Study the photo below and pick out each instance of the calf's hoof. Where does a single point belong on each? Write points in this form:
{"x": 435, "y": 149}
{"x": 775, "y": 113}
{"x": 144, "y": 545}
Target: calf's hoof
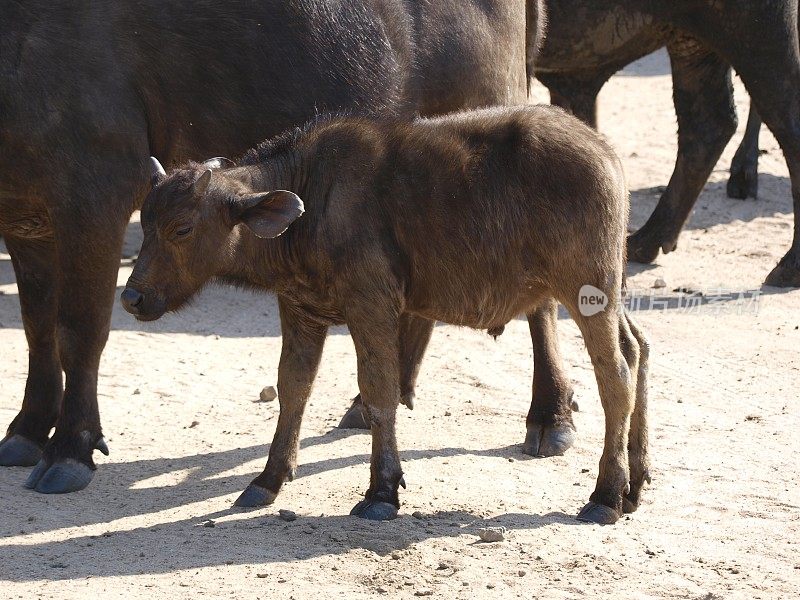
{"x": 598, "y": 513}
{"x": 18, "y": 451}
{"x": 549, "y": 440}
{"x": 255, "y": 495}
{"x": 743, "y": 184}
{"x": 375, "y": 510}
{"x": 785, "y": 274}
{"x": 354, "y": 418}
{"x": 59, "y": 477}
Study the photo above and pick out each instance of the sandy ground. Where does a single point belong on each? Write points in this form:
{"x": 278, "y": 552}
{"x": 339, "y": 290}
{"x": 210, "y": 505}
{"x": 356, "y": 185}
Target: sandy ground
{"x": 721, "y": 519}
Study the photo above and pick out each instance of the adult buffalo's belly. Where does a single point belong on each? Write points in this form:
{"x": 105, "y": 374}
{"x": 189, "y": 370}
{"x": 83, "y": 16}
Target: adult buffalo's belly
{"x": 596, "y": 37}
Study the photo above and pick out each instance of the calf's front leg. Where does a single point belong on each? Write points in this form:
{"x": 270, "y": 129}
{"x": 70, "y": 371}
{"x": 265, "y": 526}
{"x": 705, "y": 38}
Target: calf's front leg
{"x": 374, "y": 328}
{"x": 303, "y": 341}
{"x": 415, "y": 333}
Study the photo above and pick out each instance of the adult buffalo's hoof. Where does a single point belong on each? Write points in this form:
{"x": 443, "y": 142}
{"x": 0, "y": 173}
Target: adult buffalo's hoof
{"x": 354, "y": 418}
{"x": 255, "y": 495}
{"x": 598, "y": 513}
{"x": 743, "y": 183}
{"x": 375, "y": 510}
{"x": 549, "y": 440}
{"x": 18, "y": 451}
{"x": 61, "y": 477}
{"x": 642, "y": 247}
{"x": 785, "y": 274}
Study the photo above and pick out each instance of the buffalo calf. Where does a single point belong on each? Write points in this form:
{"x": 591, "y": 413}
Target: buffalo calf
{"x": 470, "y": 219}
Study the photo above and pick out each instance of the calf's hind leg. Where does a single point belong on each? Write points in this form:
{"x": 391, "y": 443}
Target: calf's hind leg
{"x": 300, "y": 356}
{"x": 415, "y": 333}
{"x": 550, "y": 430}
{"x": 614, "y": 352}
{"x": 638, "y": 446}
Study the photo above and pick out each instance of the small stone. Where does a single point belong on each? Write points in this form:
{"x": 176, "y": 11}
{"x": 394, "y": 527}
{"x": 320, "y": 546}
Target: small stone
{"x": 194, "y": 424}
{"x": 382, "y": 590}
{"x": 447, "y": 413}
{"x": 136, "y": 392}
{"x": 521, "y": 573}
{"x": 396, "y": 555}
{"x": 489, "y": 586}
{"x": 417, "y": 515}
{"x": 268, "y": 394}
{"x": 262, "y": 575}
{"x": 443, "y": 566}
{"x": 659, "y": 283}
{"x": 287, "y": 515}
{"x": 423, "y": 593}
{"x": 492, "y": 534}
{"x": 510, "y": 459}
{"x": 209, "y": 523}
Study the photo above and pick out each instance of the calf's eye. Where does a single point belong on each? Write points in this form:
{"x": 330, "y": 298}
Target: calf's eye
{"x": 183, "y": 231}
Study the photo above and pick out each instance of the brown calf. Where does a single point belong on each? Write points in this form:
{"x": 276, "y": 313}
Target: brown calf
{"x": 469, "y": 219}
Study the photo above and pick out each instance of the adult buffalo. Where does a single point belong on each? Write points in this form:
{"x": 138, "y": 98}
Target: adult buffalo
{"x": 90, "y": 90}
{"x": 587, "y": 42}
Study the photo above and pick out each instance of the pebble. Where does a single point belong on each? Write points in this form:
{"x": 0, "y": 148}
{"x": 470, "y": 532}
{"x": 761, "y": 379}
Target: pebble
{"x": 659, "y": 283}
{"x": 521, "y": 573}
{"x": 287, "y": 515}
{"x": 209, "y": 523}
{"x": 492, "y": 534}
{"x": 423, "y": 593}
{"x": 262, "y": 575}
{"x": 417, "y": 515}
{"x": 268, "y": 394}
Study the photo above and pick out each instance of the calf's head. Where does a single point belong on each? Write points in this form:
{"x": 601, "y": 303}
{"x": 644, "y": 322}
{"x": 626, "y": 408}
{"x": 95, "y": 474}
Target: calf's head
{"x": 193, "y": 221}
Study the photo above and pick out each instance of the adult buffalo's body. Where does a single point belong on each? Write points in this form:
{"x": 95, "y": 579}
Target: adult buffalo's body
{"x": 588, "y": 41}
{"x": 89, "y": 90}
{"x": 389, "y": 243}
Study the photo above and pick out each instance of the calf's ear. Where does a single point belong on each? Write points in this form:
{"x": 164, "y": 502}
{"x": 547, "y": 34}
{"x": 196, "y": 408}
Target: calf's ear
{"x": 268, "y": 214}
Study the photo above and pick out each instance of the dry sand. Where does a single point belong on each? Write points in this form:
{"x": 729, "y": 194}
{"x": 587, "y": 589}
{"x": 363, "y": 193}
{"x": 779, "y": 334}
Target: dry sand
{"x": 721, "y": 519}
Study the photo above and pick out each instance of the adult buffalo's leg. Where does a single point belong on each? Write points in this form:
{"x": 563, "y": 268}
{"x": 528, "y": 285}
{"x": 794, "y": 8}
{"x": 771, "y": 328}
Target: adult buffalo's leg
{"x": 88, "y": 238}
{"x": 776, "y": 94}
{"x": 415, "y": 333}
{"x": 550, "y": 429}
{"x": 303, "y": 341}
{"x": 34, "y": 263}
{"x": 703, "y": 97}
{"x": 375, "y": 332}
{"x": 743, "y": 181}
{"x": 576, "y": 93}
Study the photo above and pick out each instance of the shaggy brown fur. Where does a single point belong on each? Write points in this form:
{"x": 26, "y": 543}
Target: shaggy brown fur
{"x": 469, "y": 219}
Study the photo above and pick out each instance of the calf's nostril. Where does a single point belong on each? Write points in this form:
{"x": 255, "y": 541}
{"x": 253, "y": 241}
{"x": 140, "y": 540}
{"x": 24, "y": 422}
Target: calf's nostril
{"x": 131, "y": 298}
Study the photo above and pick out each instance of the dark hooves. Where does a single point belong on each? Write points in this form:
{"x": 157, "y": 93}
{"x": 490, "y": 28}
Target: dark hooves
{"x": 354, "y": 418}
{"x": 18, "y": 451}
{"x": 61, "y": 477}
{"x": 549, "y": 440}
{"x": 743, "y": 184}
{"x": 374, "y": 510}
{"x": 641, "y": 248}
{"x": 255, "y": 495}
{"x": 784, "y": 275}
{"x": 598, "y": 513}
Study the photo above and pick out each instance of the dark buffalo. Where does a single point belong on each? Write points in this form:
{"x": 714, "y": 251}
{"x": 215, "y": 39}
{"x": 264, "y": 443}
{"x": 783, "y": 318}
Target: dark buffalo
{"x": 88, "y": 92}
{"x": 588, "y": 41}
{"x": 389, "y": 239}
